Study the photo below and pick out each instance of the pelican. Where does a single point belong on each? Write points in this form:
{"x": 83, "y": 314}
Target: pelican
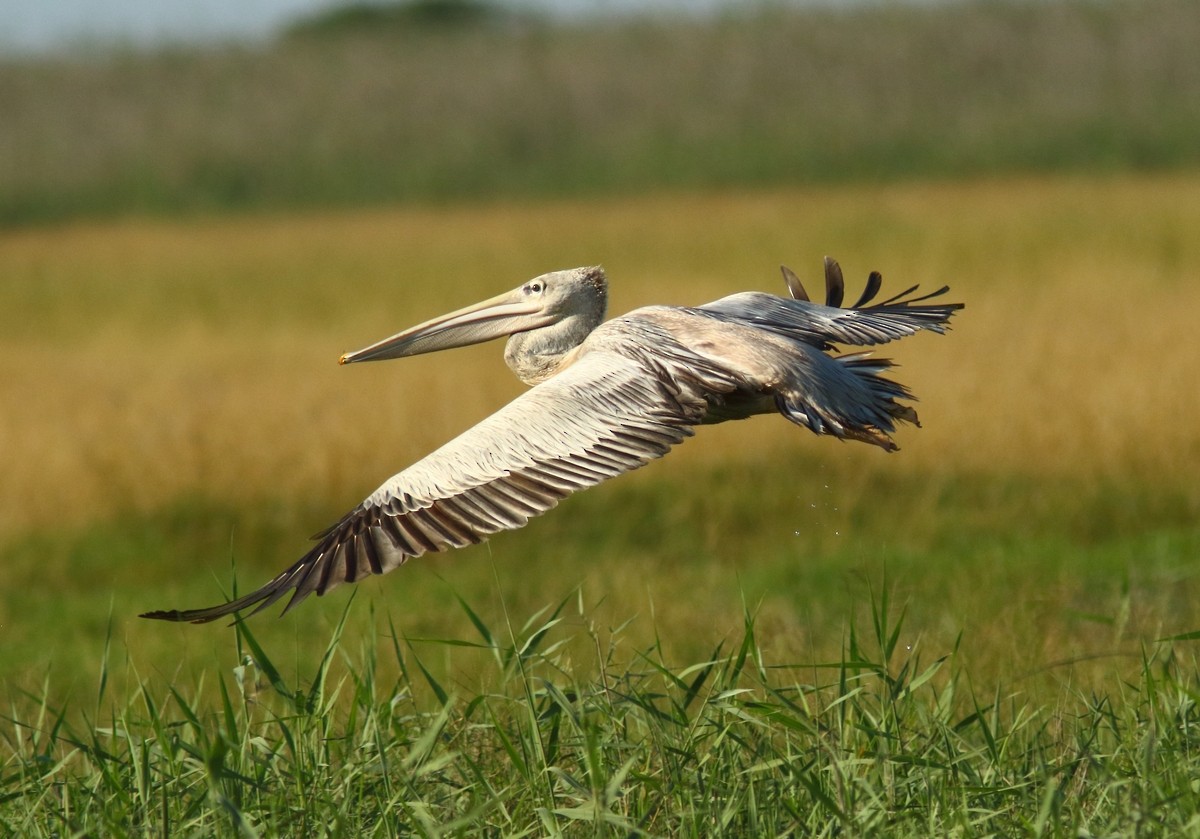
{"x": 606, "y": 398}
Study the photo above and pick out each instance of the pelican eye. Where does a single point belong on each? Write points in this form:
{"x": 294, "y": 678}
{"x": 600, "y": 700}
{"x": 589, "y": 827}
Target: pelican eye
{"x": 534, "y": 288}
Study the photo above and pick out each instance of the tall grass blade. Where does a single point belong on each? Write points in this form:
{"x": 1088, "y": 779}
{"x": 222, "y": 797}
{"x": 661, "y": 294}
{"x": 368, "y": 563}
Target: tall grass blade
{"x": 316, "y": 692}
{"x": 263, "y": 662}
{"x": 442, "y": 696}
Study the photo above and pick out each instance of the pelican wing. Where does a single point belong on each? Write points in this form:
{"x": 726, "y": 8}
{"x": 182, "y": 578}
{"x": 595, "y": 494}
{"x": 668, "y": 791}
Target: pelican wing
{"x": 602, "y": 416}
{"x": 821, "y": 325}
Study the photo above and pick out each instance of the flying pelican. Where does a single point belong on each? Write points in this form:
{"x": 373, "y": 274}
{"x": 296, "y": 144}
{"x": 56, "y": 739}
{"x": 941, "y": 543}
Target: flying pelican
{"x": 607, "y": 397}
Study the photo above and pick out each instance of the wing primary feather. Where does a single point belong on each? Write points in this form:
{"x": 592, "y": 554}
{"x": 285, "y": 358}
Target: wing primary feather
{"x": 319, "y": 576}
{"x": 399, "y": 541}
{"x": 835, "y": 286}
{"x": 931, "y": 294}
{"x": 371, "y": 551}
{"x": 794, "y": 286}
{"x": 442, "y": 524}
{"x": 431, "y": 527}
{"x": 417, "y": 535}
{"x": 268, "y": 596}
{"x": 874, "y": 283}
{"x": 904, "y": 293}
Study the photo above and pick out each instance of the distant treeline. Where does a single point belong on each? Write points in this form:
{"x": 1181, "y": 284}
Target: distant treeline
{"x": 490, "y": 105}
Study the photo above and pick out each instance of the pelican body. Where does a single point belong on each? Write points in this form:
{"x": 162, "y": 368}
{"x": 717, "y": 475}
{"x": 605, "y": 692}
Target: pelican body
{"x": 606, "y": 398}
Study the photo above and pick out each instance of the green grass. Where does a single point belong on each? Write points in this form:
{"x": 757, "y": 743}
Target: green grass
{"x": 882, "y": 740}
{"x": 774, "y": 97}
{"x": 1040, "y": 572}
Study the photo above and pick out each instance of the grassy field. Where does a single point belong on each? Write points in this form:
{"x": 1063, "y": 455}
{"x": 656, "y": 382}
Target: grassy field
{"x": 962, "y": 638}
{"x": 872, "y": 92}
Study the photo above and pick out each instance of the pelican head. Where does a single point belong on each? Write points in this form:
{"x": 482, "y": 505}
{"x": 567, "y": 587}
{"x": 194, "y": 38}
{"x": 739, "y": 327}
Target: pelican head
{"x": 544, "y": 319}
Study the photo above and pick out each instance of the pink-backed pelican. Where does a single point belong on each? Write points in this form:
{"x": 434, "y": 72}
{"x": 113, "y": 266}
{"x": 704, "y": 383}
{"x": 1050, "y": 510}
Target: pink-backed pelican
{"x": 606, "y": 398}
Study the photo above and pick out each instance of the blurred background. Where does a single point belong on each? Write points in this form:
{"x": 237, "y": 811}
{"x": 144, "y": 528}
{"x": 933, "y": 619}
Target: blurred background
{"x": 202, "y": 205}
{"x": 180, "y": 107}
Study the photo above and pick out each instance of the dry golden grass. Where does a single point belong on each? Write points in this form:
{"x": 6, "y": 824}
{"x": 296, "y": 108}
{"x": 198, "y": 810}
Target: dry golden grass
{"x": 143, "y": 360}
{"x": 146, "y": 363}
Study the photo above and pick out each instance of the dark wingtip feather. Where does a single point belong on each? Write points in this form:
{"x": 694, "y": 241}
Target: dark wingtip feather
{"x": 874, "y": 283}
{"x": 164, "y": 615}
{"x": 835, "y": 286}
{"x": 794, "y": 286}
{"x": 259, "y": 598}
{"x": 188, "y": 615}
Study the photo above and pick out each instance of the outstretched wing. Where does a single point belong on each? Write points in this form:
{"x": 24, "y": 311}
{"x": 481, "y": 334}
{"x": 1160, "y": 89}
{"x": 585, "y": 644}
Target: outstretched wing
{"x": 604, "y": 415}
{"x": 822, "y": 325}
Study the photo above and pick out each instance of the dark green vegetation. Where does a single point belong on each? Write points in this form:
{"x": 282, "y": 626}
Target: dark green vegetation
{"x": 519, "y": 107}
